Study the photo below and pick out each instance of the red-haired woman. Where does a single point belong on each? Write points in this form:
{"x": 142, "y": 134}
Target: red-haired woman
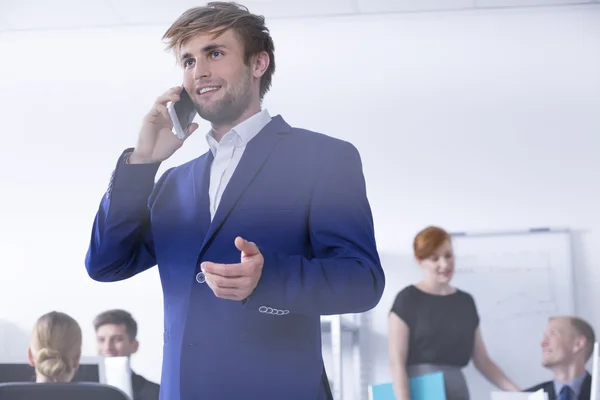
{"x": 435, "y": 327}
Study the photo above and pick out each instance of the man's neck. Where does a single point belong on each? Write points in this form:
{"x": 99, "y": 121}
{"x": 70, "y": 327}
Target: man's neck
{"x": 220, "y": 129}
{"x": 566, "y": 373}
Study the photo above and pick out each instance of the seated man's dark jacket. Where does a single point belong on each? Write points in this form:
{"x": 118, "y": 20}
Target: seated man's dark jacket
{"x": 143, "y": 389}
{"x": 548, "y": 387}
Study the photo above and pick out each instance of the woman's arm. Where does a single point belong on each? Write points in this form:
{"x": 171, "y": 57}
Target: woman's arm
{"x": 488, "y": 368}
{"x": 398, "y": 333}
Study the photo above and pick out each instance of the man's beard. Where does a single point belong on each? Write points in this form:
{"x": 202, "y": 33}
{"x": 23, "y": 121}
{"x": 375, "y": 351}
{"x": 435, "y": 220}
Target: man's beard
{"x": 231, "y": 106}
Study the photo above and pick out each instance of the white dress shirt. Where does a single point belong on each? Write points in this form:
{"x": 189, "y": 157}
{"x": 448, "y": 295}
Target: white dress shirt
{"x": 228, "y": 152}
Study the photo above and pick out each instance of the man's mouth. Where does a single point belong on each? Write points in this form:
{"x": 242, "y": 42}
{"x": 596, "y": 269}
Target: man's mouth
{"x": 208, "y": 89}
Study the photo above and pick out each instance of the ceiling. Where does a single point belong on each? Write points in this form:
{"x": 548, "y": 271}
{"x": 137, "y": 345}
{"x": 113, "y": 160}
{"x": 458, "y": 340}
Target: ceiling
{"x": 70, "y": 14}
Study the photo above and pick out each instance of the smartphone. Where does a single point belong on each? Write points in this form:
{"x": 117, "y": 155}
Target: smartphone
{"x": 182, "y": 113}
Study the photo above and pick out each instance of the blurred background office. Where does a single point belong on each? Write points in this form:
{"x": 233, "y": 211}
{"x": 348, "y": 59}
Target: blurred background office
{"x": 474, "y": 115}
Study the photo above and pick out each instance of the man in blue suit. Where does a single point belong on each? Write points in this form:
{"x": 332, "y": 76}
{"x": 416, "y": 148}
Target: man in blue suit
{"x": 254, "y": 240}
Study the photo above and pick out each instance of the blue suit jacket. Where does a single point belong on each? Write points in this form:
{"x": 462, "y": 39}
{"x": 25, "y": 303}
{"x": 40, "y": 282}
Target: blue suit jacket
{"x": 300, "y": 196}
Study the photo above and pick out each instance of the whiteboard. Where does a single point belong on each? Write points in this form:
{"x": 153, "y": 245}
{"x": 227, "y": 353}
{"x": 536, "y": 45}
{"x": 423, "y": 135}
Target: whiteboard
{"x": 518, "y": 281}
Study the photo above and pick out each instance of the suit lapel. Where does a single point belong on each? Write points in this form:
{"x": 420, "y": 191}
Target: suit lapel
{"x": 201, "y": 180}
{"x": 586, "y": 387}
{"x": 256, "y": 153}
{"x": 137, "y": 382}
{"x": 550, "y": 390}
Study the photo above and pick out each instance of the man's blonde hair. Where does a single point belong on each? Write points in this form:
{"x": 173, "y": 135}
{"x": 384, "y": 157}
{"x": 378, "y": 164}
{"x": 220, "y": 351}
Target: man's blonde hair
{"x": 216, "y": 18}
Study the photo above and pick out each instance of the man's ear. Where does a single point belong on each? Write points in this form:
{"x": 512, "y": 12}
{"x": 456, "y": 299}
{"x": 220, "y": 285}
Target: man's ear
{"x": 579, "y": 344}
{"x": 30, "y": 357}
{"x": 135, "y": 346}
{"x": 260, "y": 64}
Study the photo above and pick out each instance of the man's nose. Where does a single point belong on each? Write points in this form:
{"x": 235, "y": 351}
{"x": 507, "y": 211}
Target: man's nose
{"x": 201, "y": 70}
{"x": 107, "y": 347}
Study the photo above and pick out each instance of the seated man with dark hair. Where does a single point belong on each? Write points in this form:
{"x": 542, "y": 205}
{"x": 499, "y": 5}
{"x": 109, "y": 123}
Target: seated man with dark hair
{"x": 567, "y": 346}
{"x": 116, "y": 333}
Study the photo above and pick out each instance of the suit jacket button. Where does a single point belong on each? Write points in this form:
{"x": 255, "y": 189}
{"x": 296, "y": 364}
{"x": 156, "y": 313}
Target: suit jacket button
{"x": 200, "y": 278}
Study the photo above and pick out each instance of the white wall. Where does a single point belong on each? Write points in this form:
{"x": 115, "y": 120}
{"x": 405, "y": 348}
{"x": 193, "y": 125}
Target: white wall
{"x": 469, "y": 120}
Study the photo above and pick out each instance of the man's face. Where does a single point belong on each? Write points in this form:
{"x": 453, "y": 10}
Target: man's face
{"x": 113, "y": 341}
{"x": 561, "y": 343}
{"x": 221, "y": 85}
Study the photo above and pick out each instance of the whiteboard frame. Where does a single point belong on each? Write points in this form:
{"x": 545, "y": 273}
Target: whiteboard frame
{"x": 528, "y": 231}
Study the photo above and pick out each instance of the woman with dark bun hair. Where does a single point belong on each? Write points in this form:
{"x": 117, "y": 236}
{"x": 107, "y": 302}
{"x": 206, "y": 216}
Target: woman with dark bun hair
{"x": 434, "y": 326}
{"x": 55, "y": 347}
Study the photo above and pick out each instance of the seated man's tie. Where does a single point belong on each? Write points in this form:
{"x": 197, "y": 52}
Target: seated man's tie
{"x": 565, "y": 394}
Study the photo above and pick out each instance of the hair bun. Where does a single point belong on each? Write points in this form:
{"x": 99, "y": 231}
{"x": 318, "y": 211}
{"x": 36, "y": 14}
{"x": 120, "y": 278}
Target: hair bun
{"x": 51, "y": 364}
{"x": 47, "y": 354}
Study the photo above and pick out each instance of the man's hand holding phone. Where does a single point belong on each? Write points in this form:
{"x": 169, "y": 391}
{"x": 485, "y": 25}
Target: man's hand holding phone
{"x": 156, "y": 141}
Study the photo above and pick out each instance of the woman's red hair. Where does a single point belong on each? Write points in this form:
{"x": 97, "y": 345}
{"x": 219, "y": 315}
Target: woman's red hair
{"x": 428, "y": 241}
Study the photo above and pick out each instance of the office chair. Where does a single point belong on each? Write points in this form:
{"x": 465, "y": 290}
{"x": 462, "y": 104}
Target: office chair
{"x": 60, "y": 391}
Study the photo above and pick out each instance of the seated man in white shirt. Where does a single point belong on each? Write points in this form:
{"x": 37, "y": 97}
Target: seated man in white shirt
{"x": 116, "y": 333}
{"x": 567, "y": 345}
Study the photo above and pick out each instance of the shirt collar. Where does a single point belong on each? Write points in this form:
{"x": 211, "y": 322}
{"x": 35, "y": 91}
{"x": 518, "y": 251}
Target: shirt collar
{"x": 243, "y": 132}
{"x": 575, "y": 385}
